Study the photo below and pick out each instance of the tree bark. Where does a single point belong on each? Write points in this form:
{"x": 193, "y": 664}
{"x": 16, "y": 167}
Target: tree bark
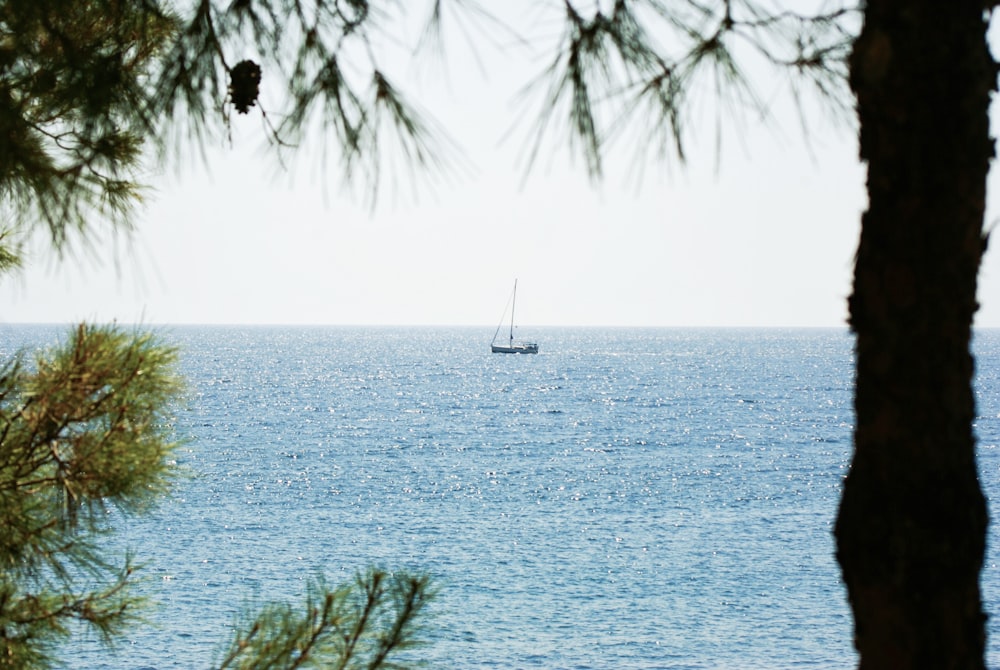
{"x": 911, "y": 530}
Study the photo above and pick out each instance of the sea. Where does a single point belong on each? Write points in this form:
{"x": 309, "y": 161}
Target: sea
{"x": 624, "y": 499}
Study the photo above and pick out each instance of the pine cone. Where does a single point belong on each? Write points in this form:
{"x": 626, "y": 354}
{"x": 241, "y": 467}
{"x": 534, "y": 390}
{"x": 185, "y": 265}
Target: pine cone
{"x": 244, "y": 85}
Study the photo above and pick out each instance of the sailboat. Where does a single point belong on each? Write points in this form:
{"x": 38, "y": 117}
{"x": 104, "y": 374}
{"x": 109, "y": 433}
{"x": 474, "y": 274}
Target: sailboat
{"x": 513, "y": 346}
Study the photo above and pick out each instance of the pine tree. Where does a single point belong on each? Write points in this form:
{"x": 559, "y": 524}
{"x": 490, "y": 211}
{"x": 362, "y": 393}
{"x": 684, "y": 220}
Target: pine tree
{"x": 87, "y": 425}
{"x": 88, "y": 87}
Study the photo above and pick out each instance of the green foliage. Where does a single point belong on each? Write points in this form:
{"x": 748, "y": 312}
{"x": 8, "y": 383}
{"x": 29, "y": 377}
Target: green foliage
{"x": 84, "y": 429}
{"x": 360, "y": 625}
{"x": 322, "y": 63}
{"x": 644, "y": 63}
{"x": 325, "y": 64}
{"x": 88, "y": 87}
{"x": 10, "y": 259}
{"x": 73, "y": 90}
{"x": 85, "y": 85}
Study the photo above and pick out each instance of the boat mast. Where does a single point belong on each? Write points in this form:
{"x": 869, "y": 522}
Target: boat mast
{"x": 513, "y": 304}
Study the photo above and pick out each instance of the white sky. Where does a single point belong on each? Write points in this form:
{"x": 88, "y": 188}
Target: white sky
{"x": 763, "y": 237}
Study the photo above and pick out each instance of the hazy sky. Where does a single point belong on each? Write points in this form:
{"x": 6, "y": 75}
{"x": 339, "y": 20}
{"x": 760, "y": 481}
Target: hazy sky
{"x": 763, "y": 236}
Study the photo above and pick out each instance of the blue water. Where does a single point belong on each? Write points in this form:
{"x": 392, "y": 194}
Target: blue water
{"x": 624, "y": 499}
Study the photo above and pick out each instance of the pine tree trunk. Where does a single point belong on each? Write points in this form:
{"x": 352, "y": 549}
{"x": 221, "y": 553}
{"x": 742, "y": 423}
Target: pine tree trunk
{"x": 911, "y": 530}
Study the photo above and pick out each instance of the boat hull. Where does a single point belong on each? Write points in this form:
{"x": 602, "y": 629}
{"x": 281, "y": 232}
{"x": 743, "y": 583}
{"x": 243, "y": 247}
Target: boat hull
{"x": 517, "y": 348}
